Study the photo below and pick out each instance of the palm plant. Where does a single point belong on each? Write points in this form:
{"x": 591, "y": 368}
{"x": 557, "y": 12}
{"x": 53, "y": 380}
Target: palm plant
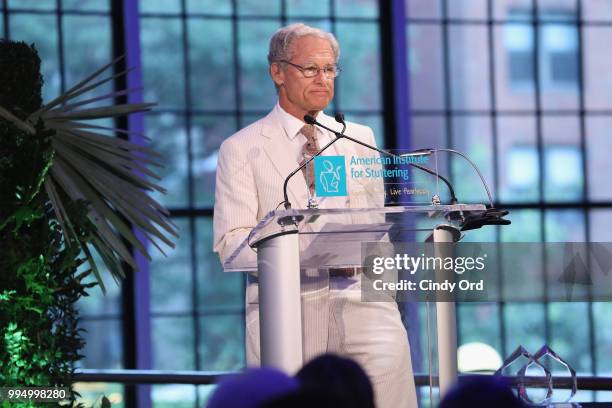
{"x": 110, "y": 175}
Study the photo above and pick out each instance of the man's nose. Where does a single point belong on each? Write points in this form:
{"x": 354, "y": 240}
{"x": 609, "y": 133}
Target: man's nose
{"x": 321, "y": 76}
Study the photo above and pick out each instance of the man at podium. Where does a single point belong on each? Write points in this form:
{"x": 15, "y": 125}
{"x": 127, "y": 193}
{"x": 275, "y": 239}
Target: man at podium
{"x": 252, "y": 166}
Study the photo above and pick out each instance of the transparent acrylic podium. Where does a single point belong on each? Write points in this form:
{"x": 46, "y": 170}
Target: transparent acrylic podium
{"x": 286, "y": 243}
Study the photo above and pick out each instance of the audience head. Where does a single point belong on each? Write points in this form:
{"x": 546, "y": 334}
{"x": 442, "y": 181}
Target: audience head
{"x": 252, "y": 388}
{"x": 480, "y": 391}
{"x": 340, "y": 378}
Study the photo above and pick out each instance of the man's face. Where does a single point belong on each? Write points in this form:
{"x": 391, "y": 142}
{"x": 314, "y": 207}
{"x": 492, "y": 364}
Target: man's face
{"x": 299, "y": 95}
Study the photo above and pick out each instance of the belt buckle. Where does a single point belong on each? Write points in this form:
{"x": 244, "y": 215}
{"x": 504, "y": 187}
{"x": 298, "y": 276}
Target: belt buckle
{"x": 347, "y": 272}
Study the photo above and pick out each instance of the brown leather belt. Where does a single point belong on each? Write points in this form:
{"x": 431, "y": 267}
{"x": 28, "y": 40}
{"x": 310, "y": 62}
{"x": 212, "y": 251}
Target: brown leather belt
{"x": 345, "y": 272}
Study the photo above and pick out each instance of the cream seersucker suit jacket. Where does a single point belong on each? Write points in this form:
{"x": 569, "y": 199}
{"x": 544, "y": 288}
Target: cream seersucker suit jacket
{"x": 252, "y": 166}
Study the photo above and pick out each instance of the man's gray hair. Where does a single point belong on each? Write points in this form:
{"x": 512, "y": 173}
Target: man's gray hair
{"x": 280, "y": 43}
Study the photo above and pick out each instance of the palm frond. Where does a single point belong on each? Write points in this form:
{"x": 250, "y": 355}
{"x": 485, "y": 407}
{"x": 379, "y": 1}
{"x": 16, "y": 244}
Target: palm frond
{"x": 79, "y": 87}
{"x": 72, "y": 106}
{"x": 110, "y": 174}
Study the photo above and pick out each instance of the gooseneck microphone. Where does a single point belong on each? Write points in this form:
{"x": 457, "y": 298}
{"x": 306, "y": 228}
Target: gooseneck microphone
{"x": 491, "y": 216}
{"x": 285, "y": 184}
{"x": 340, "y": 135}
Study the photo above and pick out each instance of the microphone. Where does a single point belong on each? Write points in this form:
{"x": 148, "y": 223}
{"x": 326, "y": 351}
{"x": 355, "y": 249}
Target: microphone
{"x": 311, "y": 121}
{"x": 340, "y": 119}
{"x": 491, "y": 216}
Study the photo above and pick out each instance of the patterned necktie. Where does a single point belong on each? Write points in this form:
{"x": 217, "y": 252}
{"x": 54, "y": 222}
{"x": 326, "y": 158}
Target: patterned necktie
{"x": 310, "y": 148}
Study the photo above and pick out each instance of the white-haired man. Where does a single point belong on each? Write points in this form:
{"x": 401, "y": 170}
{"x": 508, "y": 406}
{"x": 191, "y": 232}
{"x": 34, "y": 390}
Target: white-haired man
{"x": 252, "y": 166}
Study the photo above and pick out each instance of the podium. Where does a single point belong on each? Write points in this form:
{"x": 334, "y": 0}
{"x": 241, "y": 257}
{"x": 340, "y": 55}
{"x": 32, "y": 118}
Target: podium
{"x": 286, "y": 242}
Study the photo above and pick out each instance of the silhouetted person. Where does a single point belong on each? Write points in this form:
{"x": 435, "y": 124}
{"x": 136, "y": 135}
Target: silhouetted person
{"x": 340, "y": 378}
{"x": 251, "y": 388}
{"x": 482, "y": 391}
{"x": 307, "y": 399}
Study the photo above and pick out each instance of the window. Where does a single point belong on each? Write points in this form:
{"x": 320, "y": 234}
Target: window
{"x": 557, "y": 50}
{"x": 540, "y": 141}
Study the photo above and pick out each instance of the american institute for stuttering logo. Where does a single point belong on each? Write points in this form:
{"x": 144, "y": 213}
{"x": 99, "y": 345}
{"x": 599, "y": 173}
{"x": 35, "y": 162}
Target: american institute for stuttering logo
{"x": 330, "y": 176}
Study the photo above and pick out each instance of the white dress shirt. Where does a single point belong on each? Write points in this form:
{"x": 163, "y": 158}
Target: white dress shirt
{"x": 292, "y": 126}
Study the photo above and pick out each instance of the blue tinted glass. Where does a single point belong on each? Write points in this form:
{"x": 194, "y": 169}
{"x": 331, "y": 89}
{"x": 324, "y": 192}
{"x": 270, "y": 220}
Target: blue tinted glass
{"x": 467, "y": 9}
{"x": 92, "y": 393}
{"x": 32, "y": 4}
{"x": 423, "y": 8}
{"x": 256, "y": 86}
{"x": 479, "y": 328}
{"x": 310, "y": 8}
{"x": 601, "y": 311}
{"x": 558, "y": 64}
{"x": 425, "y": 66}
{"x": 97, "y": 303}
{"x": 171, "y": 281}
{"x": 260, "y": 8}
{"x": 159, "y": 6}
{"x": 173, "y": 343}
{"x": 525, "y": 227}
{"x": 352, "y": 8}
{"x": 89, "y": 5}
{"x": 222, "y": 343}
{"x": 173, "y": 395}
{"x": 525, "y": 326}
{"x": 569, "y": 326}
{"x": 599, "y": 166}
{"x": 89, "y": 40}
{"x": 40, "y": 29}
{"x": 472, "y": 136}
{"x": 374, "y": 121}
{"x": 594, "y": 10}
{"x": 169, "y": 139}
{"x": 514, "y": 61}
{"x": 162, "y": 61}
{"x": 565, "y": 226}
{"x": 211, "y": 60}
{"x": 517, "y": 152}
{"x": 209, "y": 7}
{"x": 103, "y": 343}
{"x": 563, "y": 167}
{"x": 358, "y": 85}
{"x": 563, "y": 175}
{"x": 469, "y": 67}
{"x": 217, "y": 290}
{"x": 600, "y": 221}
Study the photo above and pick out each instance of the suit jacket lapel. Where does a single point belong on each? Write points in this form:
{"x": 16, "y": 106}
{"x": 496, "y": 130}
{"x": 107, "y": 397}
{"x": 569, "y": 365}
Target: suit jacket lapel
{"x": 277, "y": 148}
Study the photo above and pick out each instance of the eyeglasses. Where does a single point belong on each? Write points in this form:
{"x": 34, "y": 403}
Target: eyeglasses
{"x": 330, "y": 71}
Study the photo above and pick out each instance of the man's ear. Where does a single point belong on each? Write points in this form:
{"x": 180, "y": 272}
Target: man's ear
{"x": 277, "y": 74}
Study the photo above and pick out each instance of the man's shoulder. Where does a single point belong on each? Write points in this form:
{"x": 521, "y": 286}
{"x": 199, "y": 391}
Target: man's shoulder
{"x": 248, "y": 134}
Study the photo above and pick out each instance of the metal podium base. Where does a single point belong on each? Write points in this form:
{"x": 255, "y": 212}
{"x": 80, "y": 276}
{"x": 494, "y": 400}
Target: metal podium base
{"x": 280, "y": 310}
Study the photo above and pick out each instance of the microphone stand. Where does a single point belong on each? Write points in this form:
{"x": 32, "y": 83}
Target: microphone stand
{"x": 286, "y": 202}
{"x": 340, "y": 135}
{"x": 491, "y": 216}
